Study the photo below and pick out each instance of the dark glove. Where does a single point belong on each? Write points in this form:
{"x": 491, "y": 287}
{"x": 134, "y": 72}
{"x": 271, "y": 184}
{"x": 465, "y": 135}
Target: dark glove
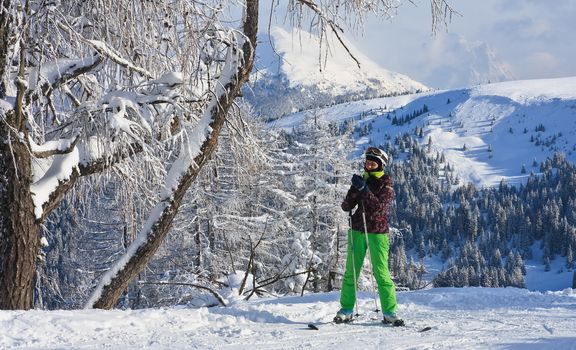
{"x": 359, "y": 183}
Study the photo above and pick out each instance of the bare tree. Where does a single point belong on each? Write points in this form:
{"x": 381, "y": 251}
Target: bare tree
{"x": 86, "y": 86}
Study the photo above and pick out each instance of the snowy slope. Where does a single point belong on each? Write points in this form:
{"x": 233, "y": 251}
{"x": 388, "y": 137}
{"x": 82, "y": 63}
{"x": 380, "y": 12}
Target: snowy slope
{"x": 466, "y": 318}
{"x": 500, "y": 125}
{"x": 295, "y": 71}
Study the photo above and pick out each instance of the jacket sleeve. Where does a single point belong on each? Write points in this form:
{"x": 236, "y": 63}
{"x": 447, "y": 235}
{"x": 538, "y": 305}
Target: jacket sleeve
{"x": 351, "y": 199}
{"x": 380, "y": 201}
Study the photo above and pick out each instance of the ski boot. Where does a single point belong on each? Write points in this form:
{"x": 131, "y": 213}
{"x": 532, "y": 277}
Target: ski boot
{"x": 343, "y": 316}
{"x": 392, "y": 318}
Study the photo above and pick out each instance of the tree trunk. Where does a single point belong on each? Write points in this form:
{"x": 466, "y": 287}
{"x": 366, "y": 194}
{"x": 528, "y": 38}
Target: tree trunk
{"x": 19, "y": 229}
{"x": 19, "y": 242}
{"x": 5, "y": 23}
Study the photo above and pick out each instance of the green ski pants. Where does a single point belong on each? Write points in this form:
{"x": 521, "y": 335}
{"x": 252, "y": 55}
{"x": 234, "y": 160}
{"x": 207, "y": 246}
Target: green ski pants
{"x": 379, "y": 247}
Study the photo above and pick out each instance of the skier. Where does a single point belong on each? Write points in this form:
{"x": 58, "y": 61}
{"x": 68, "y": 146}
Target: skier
{"x": 372, "y": 194}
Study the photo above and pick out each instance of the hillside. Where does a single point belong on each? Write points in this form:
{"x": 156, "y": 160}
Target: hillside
{"x": 488, "y": 132}
{"x": 293, "y": 73}
{"x": 460, "y": 318}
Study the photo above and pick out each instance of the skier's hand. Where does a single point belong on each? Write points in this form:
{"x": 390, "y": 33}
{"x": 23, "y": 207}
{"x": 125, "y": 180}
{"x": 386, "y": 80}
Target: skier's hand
{"x": 358, "y": 183}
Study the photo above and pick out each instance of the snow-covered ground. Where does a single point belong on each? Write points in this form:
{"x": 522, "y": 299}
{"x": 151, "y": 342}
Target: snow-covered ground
{"x": 460, "y": 318}
{"x": 537, "y": 278}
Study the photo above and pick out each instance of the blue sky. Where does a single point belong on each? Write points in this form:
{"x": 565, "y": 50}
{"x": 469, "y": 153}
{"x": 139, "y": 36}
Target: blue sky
{"x": 491, "y": 40}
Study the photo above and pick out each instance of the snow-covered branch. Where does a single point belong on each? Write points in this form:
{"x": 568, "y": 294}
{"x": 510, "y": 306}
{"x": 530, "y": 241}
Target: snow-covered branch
{"x": 52, "y": 75}
{"x": 103, "y": 49}
{"x": 194, "y": 152}
{"x": 124, "y": 114}
{"x": 52, "y": 148}
{"x": 56, "y": 177}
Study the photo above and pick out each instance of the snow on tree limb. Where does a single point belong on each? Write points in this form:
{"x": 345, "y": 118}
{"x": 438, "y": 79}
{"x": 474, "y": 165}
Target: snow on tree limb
{"x": 53, "y": 74}
{"x": 196, "y": 148}
{"x": 122, "y": 113}
{"x": 107, "y": 51}
{"x": 183, "y": 169}
{"x": 88, "y": 158}
{"x": 54, "y": 147}
{"x": 61, "y": 170}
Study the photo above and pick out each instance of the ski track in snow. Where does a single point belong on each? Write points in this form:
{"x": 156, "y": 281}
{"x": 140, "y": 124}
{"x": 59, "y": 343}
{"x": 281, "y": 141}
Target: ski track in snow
{"x": 461, "y": 318}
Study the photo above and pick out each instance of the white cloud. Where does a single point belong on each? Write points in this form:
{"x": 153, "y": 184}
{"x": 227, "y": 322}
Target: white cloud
{"x": 541, "y": 63}
{"x": 451, "y": 60}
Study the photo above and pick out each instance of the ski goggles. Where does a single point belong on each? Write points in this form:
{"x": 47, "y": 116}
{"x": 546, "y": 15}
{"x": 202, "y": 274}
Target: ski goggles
{"x": 378, "y": 153}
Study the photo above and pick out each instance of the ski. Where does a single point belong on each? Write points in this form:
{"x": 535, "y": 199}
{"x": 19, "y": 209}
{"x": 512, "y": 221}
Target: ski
{"x": 400, "y": 323}
{"x": 315, "y": 327}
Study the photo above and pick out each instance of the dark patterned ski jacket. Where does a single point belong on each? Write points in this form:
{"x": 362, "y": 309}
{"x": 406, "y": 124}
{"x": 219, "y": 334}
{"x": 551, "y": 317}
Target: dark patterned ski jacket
{"x": 376, "y": 202}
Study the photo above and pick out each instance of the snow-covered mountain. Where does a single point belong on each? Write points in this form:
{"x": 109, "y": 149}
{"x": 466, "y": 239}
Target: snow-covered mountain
{"x": 294, "y": 71}
{"x": 487, "y": 132}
